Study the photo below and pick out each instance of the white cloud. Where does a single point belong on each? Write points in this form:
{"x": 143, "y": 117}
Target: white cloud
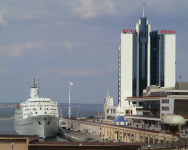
{"x": 90, "y": 9}
{"x": 2, "y": 21}
{"x": 14, "y": 50}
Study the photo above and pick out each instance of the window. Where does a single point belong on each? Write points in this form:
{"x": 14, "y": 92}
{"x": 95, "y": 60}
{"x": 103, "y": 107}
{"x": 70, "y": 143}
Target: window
{"x": 165, "y": 100}
{"x": 165, "y": 108}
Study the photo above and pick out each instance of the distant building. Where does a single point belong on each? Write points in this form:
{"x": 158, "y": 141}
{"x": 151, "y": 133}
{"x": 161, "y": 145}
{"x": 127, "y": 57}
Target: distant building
{"x": 110, "y": 110}
{"x": 160, "y": 103}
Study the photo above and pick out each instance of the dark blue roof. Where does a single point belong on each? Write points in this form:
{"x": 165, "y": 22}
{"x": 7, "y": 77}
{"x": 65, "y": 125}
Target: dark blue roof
{"x": 119, "y": 119}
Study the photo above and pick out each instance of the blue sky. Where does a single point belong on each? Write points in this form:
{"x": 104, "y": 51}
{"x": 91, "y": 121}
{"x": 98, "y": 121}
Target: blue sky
{"x": 78, "y": 40}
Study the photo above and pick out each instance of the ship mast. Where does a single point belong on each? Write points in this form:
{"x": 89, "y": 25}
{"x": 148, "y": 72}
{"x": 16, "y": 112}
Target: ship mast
{"x": 36, "y": 84}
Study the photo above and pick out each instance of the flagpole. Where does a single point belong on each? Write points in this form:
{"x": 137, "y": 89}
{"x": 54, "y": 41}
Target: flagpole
{"x": 69, "y": 113}
{"x": 143, "y": 9}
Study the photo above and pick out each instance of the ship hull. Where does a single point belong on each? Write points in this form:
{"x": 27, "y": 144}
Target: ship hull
{"x": 43, "y": 125}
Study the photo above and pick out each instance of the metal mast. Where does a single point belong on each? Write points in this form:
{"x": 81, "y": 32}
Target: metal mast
{"x": 69, "y": 113}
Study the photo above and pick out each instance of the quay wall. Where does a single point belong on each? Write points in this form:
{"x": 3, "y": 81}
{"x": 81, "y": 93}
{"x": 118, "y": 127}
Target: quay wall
{"x": 122, "y": 133}
{"x": 86, "y": 126}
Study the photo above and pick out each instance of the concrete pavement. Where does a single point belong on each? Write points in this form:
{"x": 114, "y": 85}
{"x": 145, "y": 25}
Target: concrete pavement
{"x": 81, "y": 137}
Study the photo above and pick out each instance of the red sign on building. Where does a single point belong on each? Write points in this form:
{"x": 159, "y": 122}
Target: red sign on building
{"x": 168, "y": 31}
{"x": 128, "y": 31}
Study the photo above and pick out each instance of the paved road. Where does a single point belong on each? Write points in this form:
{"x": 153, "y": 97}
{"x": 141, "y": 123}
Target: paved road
{"x": 81, "y": 137}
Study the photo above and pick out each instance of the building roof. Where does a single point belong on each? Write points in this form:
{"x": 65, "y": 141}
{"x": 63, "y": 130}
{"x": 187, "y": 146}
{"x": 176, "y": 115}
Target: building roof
{"x": 173, "y": 120}
{"x": 119, "y": 119}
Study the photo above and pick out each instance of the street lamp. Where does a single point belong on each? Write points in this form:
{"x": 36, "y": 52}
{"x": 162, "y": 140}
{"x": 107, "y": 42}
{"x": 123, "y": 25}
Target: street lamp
{"x": 177, "y": 142}
{"x": 12, "y": 145}
{"x": 149, "y": 146}
{"x": 132, "y": 138}
{"x": 69, "y": 113}
{"x": 80, "y": 145}
{"x": 103, "y": 141}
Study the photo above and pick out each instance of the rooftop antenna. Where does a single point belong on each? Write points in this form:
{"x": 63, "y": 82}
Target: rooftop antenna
{"x": 108, "y": 95}
{"x": 69, "y": 113}
{"x": 98, "y": 110}
{"x": 78, "y": 111}
{"x": 61, "y": 114}
{"x": 34, "y": 82}
{"x": 143, "y": 9}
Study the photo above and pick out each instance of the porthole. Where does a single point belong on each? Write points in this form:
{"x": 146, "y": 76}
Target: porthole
{"x": 48, "y": 123}
{"x": 39, "y": 123}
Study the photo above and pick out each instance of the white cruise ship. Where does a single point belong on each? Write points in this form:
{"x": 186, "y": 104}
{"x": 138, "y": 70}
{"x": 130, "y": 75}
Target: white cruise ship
{"x": 37, "y": 115}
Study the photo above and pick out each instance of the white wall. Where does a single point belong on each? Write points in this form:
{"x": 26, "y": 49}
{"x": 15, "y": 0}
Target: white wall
{"x": 170, "y": 105}
{"x": 137, "y": 72}
{"x": 148, "y": 56}
{"x": 126, "y": 49}
{"x": 169, "y": 60}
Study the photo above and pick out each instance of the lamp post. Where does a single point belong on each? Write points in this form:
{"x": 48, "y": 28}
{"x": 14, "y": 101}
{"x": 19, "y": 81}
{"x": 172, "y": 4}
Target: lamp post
{"x": 177, "y": 143}
{"x": 103, "y": 141}
{"x": 69, "y": 113}
{"x": 132, "y": 138}
{"x": 149, "y": 146}
{"x": 12, "y": 145}
{"x": 80, "y": 145}
{"x": 173, "y": 141}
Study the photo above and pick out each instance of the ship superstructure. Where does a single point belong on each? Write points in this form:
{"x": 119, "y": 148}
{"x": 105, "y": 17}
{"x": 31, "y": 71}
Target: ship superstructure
{"x": 37, "y": 115}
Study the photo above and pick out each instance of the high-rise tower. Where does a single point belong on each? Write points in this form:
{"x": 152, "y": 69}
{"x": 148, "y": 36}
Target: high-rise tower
{"x": 145, "y": 58}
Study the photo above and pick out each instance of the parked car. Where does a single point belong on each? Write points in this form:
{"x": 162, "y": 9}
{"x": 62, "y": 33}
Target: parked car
{"x": 108, "y": 139}
{"x": 77, "y": 131}
{"x": 104, "y": 137}
{"x": 88, "y": 140}
{"x": 83, "y": 132}
{"x": 95, "y": 141}
{"x": 71, "y": 129}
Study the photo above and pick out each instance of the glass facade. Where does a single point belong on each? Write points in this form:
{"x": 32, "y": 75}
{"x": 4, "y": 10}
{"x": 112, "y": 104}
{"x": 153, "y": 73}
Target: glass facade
{"x": 154, "y": 58}
{"x": 180, "y": 107}
{"x": 134, "y": 63}
{"x": 143, "y": 40}
{"x": 161, "y": 60}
